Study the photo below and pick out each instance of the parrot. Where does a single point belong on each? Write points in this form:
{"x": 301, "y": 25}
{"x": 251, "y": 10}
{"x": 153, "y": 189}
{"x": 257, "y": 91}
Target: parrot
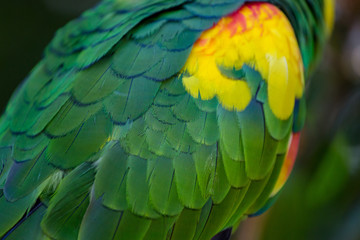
{"x": 159, "y": 119}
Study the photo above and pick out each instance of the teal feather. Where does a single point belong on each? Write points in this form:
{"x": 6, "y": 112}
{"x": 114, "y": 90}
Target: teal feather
{"x": 262, "y": 95}
{"x": 148, "y": 29}
{"x": 198, "y": 23}
{"x": 213, "y": 9}
{"x": 253, "y": 79}
{"x": 299, "y": 115}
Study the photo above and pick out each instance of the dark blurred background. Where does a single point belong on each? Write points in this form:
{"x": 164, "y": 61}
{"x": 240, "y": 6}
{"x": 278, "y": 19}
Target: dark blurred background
{"x": 322, "y": 198}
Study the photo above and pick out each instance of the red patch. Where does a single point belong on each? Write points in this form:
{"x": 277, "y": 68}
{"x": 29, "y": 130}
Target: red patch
{"x": 293, "y": 151}
{"x": 238, "y": 19}
{"x": 202, "y": 42}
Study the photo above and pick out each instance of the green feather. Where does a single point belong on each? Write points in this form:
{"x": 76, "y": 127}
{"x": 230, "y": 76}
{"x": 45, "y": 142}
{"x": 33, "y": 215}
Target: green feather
{"x": 204, "y": 129}
{"x": 174, "y": 86}
{"x": 175, "y": 136}
{"x": 95, "y": 214}
{"x": 38, "y": 78}
{"x": 229, "y": 140}
{"x": 155, "y": 124}
{"x": 110, "y": 179}
{"x": 186, "y": 110}
{"x": 125, "y": 104}
{"x": 12, "y": 211}
{"x": 5, "y": 163}
{"x": 162, "y": 192}
{"x": 185, "y": 225}
{"x": 27, "y": 148}
{"x": 137, "y": 188}
{"x": 160, "y": 228}
{"x": 221, "y": 185}
{"x": 252, "y": 129}
{"x": 69, "y": 203}
{"x": 205, "y": 163}
{"x": 253, "y": 192}
{"x": 78, "y": 146}
{"x": 70, "y": 117}
{"x": 186, "y": 182}
{"x": 283, "y": 146}
{"x": 47, "y": 115}
{"x": 95, "y": 83}
{"x": 24, "y": 177}
{"x": 235, "y": 171}
{"x": 265, "y": 195}
{"x": 133, "y": 134}
{"x": 220, "y": 213}
{"x": 277, "y": 128}
{"x": 30, "y": 226}
{"x": 132, "y": 227}
{"x": 165, "y": 98}
{"x": 208, "y": 105}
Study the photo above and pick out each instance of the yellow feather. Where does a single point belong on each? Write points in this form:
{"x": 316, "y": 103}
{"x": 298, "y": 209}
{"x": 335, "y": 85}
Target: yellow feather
{"x": 260, "y": 36}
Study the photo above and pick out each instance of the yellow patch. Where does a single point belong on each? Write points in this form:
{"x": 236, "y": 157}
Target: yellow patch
{"x": 329, "y": 13}
{"x": 259, "y": 35}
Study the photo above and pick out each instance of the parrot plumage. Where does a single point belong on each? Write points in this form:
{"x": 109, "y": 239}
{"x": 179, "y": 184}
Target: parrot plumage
{"x": 158, "y": 119}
